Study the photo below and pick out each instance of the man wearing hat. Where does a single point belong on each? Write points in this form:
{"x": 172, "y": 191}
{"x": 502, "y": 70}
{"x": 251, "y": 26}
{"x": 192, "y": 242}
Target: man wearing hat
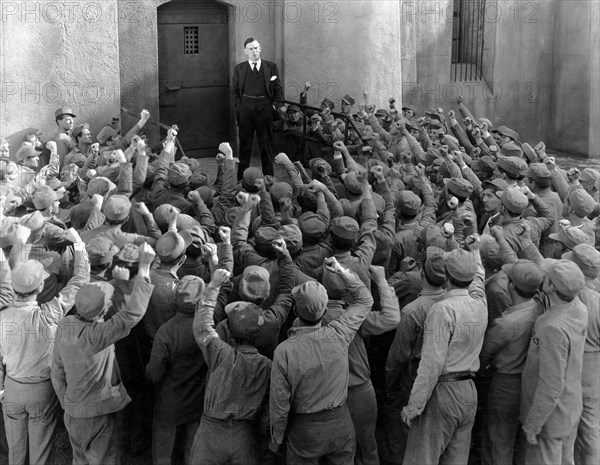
{"x": 27, "y": 336}
{"x": 116, "y": 213}
{"x": 85, "y": 374}
{"x": 405, "y": 353}
{"x": 491, "y": 204}
{"x": 345, "y": 231}
{"x": 178, "y": 371}
{"x": 171, "y": 184}
{"x": 567, "y": 238}
{"x": 233, "y": 420}
{"x": 28, "y": 165}
{"x": 309, "y": 379}
{"x": 101, "y": 252}
{"x": 577, "y": 208}
{"x": 347, "y": 103}
{"x": 587, "y": 444}
{"x": 82, "y": 136}
{"x": 64, "y": 142}
{"x": 590, "y": 181}
{"x": 514, "y": 202}
{"x": 504, "y": 350}
{"x": 409, "y": 111}
{"x": 443, "y": 401}
{"x": 541, "y": 178}
{"x": 256, "y": 90}
{"x": 46, "y": 200}
{"x": 511, "y": 169}
{"x": 551, "y": 391}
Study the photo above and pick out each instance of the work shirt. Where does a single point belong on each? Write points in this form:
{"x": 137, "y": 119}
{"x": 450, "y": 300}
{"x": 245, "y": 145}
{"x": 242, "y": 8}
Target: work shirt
{"x": 85, "y": 374}
{"x": 591, "y": 299}
{"x": 178, "y": 371}
{"x": 162, "y": 306}
{"x": 27, "y": 329}
{"x": 454, "y": 331}
{"x": 507, "y": 339}
{"x": 239, "y": 376}
{"x": 310, "y": 368}
{"x": 375, "y": 323}
{"x": 408, "y": 341}
{"x": 551, "y": 397}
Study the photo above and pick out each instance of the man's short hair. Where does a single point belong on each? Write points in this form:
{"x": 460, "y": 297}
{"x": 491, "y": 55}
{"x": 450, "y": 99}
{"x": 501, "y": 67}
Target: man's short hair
{"x": 248, "y": 41}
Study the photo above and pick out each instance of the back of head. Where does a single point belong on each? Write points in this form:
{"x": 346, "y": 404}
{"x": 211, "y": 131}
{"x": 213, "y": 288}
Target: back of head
{"x": 245, "y": 320}
{"x": 255, "y": 285}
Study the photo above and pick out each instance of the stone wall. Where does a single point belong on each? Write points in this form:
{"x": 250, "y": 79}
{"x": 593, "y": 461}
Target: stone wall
{"x": 55, "y": 54}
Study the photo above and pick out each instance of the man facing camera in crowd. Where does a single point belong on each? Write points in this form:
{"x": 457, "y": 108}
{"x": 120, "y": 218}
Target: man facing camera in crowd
{"x": 256, "y": 90}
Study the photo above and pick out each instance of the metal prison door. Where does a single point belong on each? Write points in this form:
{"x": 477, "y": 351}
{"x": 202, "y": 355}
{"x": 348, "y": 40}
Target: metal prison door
{"x": 193, "y": 73}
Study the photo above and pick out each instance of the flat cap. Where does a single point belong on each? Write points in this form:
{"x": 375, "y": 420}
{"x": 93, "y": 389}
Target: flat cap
{"x": 64, "y": 111}
{"x": 45, "y": 196}
{"x": 459, "y": 186}
{"x": 570, "y": 236}
{"x": 514, "y": 165}
{"x": 539, "y": 173}
{"x": 117, "y": 207}
{"x": 179, "y": 173}
{"x": 587, "y": 259}
{"x": 514, "y": 200}
{"x": 311, "y": 300}
{"x": 254, "y": 284}
{"x": 591, "y": 176}
{"x": 460, "y": 265}
{"x": 345, "y": 227}
{"x": 172, "y": 245}
{"x": 525, "y": 275}
{"x": 348, "y": 100}
{"x": 92, "y": 298}
{"x": 351, "y": 183}
{"x": 311, "y": 226}
{"x": 188, "y": 292}
{"x": 566, "y": 276}
{"x": 408, "y": 202}
{"x": 581, "y": 202}
{"x": 101, "y": 250}
{"x": 27, "y": 276}
{"x": 244, "y": 320}
{"x": 25, "y": 152}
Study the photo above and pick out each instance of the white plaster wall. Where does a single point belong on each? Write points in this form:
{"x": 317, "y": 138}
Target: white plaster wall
{"x": 55, "y": 54}
{"x": 343, "y": 47}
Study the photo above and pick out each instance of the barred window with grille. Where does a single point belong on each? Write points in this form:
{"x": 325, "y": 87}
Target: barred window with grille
{"x": 467, "y": 40}
{"x": 190, "y": 40}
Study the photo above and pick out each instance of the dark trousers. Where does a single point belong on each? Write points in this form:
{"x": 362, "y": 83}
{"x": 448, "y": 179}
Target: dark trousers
{"x": 362, "y": 404}
{"x": 502, "y": 425}
{"x": 327, "y": 436}
{"x": 218, "y": 442}
{"x": 442, "y": 433}
{"x": 93, "y": 440}
{"x": 30, "y": 421}
{"x": 167, "y": 438}
{"x": 255, "y": 116}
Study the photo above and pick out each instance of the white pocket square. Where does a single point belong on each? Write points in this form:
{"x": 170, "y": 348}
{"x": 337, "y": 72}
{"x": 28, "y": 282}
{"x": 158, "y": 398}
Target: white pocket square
{"x": 273, "y": 78}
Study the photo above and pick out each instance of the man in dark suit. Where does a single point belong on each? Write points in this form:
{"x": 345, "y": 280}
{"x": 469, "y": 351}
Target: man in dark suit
{"x": 256, "y": 91}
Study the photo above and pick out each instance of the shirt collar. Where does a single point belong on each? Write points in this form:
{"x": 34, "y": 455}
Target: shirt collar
{"x": 453, "y": 292}
{"x": 258, "y": 64}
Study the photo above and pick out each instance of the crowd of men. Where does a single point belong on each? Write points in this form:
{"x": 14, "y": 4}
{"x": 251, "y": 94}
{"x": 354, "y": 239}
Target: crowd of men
{"x": 232, "y": 317}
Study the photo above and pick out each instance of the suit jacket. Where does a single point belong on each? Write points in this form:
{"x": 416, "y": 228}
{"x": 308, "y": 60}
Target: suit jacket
{"x": 274, "y": 88}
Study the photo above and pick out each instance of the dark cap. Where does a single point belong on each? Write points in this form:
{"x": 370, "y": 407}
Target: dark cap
{"x": 351, "y": 183}
{"x": 491, "y": 255}
{"x": 408, "y": 202}
{"x": 348, "y": 100}
{"x": 539, "y": 173}
{"x": 525, "y": 275}
{"x": 345, "y": 227}
{"x": 244, "y": 320}
{"x": 282, "y": 189}
{"x": 435, "y": 266}
{"x": 264, "y": 237}
{"x": 512, "y": 149}
{"x": 251, "y": 174}
{"x": 293, "y": 107}
{"x": 311, "y": 226}
{"x": 485, "y": 164}
{"x": 311, "y": 300}
{"x": 329, "y": 103}
{"x": 78, "y": 130}
{"x": 45, "y": 196}
{"x": 496, "y": 184}
{"x": 504, "y": 131}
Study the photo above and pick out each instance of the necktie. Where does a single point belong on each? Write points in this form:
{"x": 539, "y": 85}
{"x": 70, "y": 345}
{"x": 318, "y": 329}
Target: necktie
{"x": 254, "y": 69}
